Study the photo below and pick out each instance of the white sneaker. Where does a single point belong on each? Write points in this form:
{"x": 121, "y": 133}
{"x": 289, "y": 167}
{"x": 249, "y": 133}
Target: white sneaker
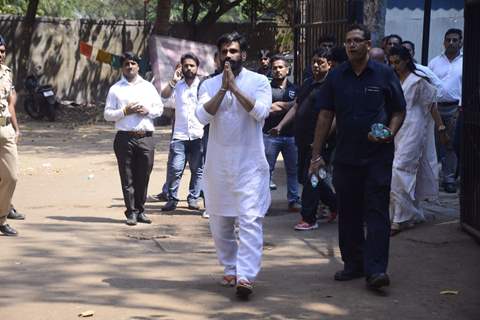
{"x": 205, "y": 215}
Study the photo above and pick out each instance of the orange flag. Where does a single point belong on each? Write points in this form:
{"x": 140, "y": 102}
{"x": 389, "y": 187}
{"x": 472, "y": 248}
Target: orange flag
{"x": 86, "y": 49}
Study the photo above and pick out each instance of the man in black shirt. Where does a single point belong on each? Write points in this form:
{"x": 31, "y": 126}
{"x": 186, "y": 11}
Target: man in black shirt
{"x": 360, "y": 93}
{"x": 304, "y": 115}
{"x": 283, "y": 97}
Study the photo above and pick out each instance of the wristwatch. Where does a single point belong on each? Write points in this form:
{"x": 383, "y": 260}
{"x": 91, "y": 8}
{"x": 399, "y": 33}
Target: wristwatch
{"x": 441, "y": 128}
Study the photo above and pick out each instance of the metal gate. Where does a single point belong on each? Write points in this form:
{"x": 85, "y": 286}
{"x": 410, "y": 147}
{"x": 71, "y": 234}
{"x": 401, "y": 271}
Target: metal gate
{"x": 317, "y": 18}
{"x": 470, "y": 144}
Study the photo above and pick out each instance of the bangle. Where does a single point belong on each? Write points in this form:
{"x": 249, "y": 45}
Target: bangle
{"x": 441, "y": 128}
{"x": 172, "y": 84}
{"x": 222, "y": 90}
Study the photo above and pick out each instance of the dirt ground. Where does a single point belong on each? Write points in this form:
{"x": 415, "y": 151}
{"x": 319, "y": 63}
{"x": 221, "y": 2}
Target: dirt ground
{"x": 75, "y": 253}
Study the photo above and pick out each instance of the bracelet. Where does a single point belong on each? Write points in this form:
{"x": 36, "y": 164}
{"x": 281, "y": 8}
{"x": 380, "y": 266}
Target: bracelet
{"x": 124, "y": 110}
{"x": 442, "y": 128}
{"x": 171, "y": 84}
{"x": 222, "y": 90}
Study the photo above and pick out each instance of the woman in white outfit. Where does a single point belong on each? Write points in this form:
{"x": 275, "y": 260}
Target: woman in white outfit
{"x": 415, "y": 167}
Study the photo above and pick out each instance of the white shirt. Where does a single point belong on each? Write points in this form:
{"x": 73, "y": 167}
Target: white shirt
{"x": 187, "y": 126}
{"x": 236, "y": 170}
{"x": 451, "y": 75}
{"x": 123, "y": 93}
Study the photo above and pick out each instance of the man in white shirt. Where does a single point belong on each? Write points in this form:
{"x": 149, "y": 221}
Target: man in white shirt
{"x": 236, "y": 103}
{"x": 186, "y": 144}
{"x": 133, "y": 103}
{"x": 448, "y": 67}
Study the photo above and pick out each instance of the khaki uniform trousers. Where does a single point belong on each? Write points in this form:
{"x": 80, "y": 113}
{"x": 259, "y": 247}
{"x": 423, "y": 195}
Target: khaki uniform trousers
{"x": 8, "y": 169}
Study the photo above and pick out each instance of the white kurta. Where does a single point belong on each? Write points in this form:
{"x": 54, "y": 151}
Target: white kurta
{"x": 236, "y": 172}
{"x": 415, "y": 167}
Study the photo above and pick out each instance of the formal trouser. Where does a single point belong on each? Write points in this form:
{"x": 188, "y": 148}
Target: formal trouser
{"x": 363, "y": 195}
{"x": 310, "y": 195}
{"x": 243, "y": 256}
{"x": 135, "y": 157}
{"x": 286, "y": 145}
{"x": 8, "y": 170}
{"x": 446, "y": 153}
{"x": 184, "y": 151}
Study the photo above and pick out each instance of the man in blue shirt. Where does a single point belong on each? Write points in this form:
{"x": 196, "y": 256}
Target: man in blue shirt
{"x": 360, "y": 93}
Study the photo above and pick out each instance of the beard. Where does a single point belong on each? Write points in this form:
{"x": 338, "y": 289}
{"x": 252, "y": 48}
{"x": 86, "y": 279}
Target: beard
{"x": 189, "y": 75}
{"x": 234, "y": 65}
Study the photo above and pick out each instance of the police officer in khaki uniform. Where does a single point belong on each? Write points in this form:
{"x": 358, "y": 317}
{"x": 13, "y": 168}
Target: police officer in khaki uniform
{"x": 9, "y": 133}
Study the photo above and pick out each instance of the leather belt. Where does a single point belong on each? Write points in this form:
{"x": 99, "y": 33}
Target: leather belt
{"x": 446, "y": 104}
{"x": 5, "y": 121}
{"x": 137, "y": 134}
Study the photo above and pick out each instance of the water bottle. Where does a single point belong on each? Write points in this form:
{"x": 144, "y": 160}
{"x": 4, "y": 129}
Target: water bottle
{"x": 379, "y": 130}
{"x": 315, "y": 178}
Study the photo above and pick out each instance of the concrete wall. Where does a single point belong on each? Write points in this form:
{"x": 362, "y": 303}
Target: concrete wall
{"x": 56, "y": 58}
{"x": 405, "y": 18}
{"x": 55, "y": 55}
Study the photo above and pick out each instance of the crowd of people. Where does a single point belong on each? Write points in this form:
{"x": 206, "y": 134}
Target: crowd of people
{"x": 374, "y": 183}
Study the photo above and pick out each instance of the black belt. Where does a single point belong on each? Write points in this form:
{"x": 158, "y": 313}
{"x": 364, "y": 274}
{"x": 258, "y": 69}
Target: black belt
{"x": 446, "y": 104}
{"x": 5, "y": 121}
{"x": 137, "y": 134}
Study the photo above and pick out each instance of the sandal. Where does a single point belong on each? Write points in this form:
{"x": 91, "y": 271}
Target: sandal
{"x": 244, "y": 289}
{"x": 228, "y": 281}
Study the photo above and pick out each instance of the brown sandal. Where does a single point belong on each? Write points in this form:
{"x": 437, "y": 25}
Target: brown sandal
{"x": 244, "y": 289}
{"x": 228, "y": 281}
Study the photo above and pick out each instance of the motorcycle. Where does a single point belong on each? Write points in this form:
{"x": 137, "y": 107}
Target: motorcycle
{"x": 40, "y": 101}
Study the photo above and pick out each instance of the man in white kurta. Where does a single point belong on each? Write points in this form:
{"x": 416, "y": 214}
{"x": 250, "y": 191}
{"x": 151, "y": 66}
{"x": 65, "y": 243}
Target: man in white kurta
{"x": 235, "y": 103}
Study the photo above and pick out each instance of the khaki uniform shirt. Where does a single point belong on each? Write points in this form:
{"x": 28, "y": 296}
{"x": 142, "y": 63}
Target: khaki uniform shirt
{"x": 6, "y": 85}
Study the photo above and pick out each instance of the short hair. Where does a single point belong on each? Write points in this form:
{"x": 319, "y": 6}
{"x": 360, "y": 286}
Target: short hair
{"x": 232, "y": 37}
{"x": 338, "y": 54}
{"x": 278, "y": 57}
{"x": 190, "y": 55}
{"x": 410, "y": 43}
{"x": 321, "y": 53}
{"x": 2, "y": 41}
{"x": 327, "y": 38}
{"x": 454, "y": 31}
{"x": 395, "y": 36}
{"x": 129, "y": 56}
{"x": 361, "y": 27}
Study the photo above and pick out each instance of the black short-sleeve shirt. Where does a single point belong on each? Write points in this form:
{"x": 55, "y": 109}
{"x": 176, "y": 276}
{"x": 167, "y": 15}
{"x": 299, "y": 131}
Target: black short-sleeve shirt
{"x": 287, "y": 94}
{"x": 359, "y": 102}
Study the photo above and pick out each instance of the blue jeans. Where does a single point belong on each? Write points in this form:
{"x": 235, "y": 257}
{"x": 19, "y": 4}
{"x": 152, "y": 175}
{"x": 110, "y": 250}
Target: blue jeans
{"x": 183, "y": 151}
{"x": 446, "y": 154}
{"x": 285, "y": 145}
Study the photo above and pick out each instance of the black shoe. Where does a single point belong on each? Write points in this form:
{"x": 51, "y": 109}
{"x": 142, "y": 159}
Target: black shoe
{"x": 131, "y": 219}
{"x": 13, "y": 214}
{"x": 378, "y": 280}
{"x": 170, "y": 205}
{"x": 142, "y": 218}
{"x": 344, "y": 275}
{"x": 193, "y": 204}
{"x": 8, "y": 231}
{"x": 450, "y": 188}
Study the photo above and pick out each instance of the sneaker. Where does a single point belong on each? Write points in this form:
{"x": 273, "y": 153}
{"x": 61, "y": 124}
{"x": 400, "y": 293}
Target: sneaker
{"x": 294, "y": 206}
{"x": 273, "y": 186}
{"x": 157, "y": 197}
{"x": 171, "y": 205}
{"x": 193, "y": 204}
{"x": 205, "y": 215}
{"x": 304, "y": 226}
{"x": 13, "y": 214}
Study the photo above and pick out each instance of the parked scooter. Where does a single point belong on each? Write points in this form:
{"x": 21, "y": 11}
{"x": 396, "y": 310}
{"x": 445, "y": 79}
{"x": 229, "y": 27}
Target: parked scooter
{"x": 40, "y": 101}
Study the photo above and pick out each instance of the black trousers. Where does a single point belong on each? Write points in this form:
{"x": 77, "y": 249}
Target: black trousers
{"x": 310, "y": 195}
{"x": 363, "y": 194}
{"x": 135, "y": 162}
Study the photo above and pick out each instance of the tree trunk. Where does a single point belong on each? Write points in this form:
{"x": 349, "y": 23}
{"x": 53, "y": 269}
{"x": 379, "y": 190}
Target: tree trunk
{"x": 162, "y": 24}
{"x": 26, "y": 34}
{"x": 374, "y": 12}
